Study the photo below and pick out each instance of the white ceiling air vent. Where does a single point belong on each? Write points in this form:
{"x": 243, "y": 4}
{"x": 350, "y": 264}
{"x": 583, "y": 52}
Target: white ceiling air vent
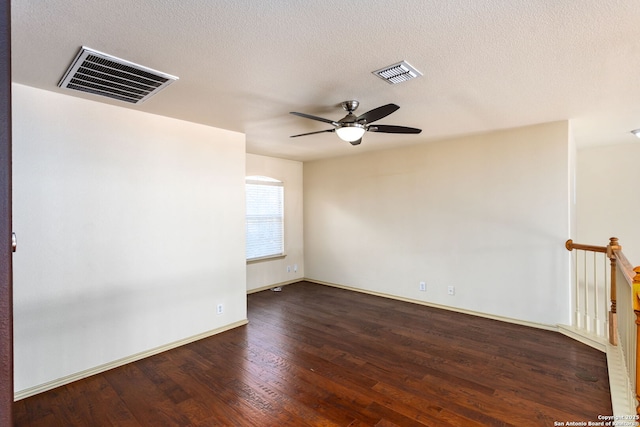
{"x": 101, "y": 74}
{"x": 398, "y": 73}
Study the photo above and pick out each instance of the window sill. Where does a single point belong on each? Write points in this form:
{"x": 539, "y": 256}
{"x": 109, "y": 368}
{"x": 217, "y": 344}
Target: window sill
{"x": 265, "y": 258}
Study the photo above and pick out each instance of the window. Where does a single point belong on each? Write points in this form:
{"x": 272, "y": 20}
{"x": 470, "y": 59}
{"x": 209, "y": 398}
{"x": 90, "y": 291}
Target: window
{"x": 265, "y": 217}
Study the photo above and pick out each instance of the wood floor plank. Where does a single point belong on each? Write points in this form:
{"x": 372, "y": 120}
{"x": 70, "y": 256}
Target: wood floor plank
{"x": 323, "y": 371}
{"x": 313, "y": 355}
{"x": 102, "y": 403}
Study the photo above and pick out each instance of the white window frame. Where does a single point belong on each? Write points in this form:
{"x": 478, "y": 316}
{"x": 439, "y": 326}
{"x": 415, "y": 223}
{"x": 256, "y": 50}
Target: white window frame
{"x": 265, "y": 222}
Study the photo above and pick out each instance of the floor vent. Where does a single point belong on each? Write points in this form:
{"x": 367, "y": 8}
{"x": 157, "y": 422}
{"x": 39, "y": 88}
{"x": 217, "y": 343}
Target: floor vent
{"x": 105, "y": 75}
{"x": 398, "y": 73}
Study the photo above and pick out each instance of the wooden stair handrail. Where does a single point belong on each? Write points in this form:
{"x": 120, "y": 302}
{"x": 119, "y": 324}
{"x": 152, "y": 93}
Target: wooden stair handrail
{"x": 635, "y": 286}
{"x": 625, "y": 266}
{"x": 632, "y": 276}
{"x": 611, "y": 249}
{"x": 571, "y": 246}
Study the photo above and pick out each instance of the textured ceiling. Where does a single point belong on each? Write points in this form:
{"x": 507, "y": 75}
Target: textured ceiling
{"x": 244, "y": 64}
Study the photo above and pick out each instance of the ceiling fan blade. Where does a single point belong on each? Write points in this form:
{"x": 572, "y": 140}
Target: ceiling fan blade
{"x": 308, "y": 116}
{"x": 378, "y": 113}
{"x": 393, "y": 129}
{"x": 311, "y": 133}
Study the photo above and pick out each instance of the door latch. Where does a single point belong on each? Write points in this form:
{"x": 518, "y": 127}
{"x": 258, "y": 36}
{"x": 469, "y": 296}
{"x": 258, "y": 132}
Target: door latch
{"x": 14, "y": 242}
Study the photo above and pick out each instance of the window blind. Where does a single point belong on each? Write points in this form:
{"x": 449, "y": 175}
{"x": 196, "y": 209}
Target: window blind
{"x": 265, "y": 217}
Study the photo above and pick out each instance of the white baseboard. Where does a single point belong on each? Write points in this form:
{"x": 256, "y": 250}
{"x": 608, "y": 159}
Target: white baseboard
{"x": 264, "y": 288}
{"x": 591, "y": 340}
{"x": 31, "y": 391}
{"x": 443, "y": 307}
{"x": 622, "y": 399}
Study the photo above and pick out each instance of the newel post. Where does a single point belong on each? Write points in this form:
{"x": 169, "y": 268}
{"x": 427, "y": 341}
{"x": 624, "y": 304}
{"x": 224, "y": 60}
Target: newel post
{"x": 636, "y": 309}
{"x": 613, "y": 316}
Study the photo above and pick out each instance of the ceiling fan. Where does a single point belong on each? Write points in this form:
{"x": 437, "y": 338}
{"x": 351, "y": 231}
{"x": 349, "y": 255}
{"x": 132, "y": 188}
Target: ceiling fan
{"x": 350, "y": 128}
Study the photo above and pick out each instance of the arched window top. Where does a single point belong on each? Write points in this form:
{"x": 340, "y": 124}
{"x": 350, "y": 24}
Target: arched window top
{"x": 264, "y": 180}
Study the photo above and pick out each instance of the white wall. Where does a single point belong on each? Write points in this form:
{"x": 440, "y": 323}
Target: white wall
{"x": 130, "y": 228}
{"x": 271, "y": 272}
{"x": 487, "y": 214}
{"x": 608, "y": 200}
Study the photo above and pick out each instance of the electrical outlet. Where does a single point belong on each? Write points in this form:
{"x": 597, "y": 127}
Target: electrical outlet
{"x": 220, "y": 309}
{"x": 295, "y": 268}
{"x": 451, "y": 290}
{"x": 288, "y": 269}
{"x": 423, "y": 286}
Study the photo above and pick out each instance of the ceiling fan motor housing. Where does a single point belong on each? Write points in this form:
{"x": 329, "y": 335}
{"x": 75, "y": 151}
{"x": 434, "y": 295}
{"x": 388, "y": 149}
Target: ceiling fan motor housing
{"x": 350, "y": 106}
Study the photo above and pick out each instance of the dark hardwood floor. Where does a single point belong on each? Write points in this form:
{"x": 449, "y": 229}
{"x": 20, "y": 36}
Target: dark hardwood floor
{"x": 315, "y": 355}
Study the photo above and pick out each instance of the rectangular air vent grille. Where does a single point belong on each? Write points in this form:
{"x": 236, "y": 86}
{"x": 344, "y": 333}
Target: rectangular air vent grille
{"x": 105, "y": 75}
{"x": 398, "y": 73}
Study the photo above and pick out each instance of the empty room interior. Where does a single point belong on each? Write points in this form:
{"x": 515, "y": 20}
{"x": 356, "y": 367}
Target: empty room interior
{"x": 487, "y": 135}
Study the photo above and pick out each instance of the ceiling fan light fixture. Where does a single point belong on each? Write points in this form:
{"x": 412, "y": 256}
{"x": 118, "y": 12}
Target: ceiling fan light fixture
{"x": 636, "y": 132}
{"x": 350, "y": 132}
